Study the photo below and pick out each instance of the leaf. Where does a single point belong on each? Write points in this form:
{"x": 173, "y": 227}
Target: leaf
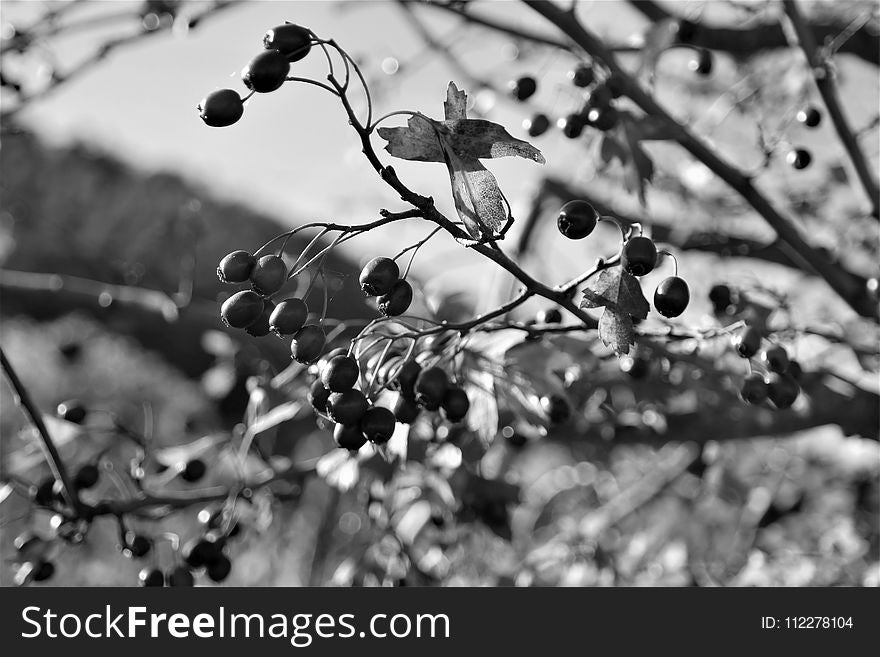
{"x": 478, "y": 199}
{"x": 610, "y": 149}
{"x": 616, "y": 331}
{"x": 657, "y": 37}
{"x": 616, "y": 289}
{"x": 455, "y": 105}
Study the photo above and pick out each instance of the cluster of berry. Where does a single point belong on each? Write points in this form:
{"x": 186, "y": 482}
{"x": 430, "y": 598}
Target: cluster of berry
{"x": 380, "y": 278}
{"x": 800, "y": 158}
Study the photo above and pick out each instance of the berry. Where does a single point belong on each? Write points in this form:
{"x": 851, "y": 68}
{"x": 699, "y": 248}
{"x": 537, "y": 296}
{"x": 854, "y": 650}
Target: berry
{"x": 671, "y": 296}
{"x": 260, "y": 326}
{"x": 397, "y": 300}
{"x": 615, "y": 86}
{"x": 602, "y": 118}
{"x": 220, "y": 568}
{"x": 201, "y": 552}
{"x": 194, "y": 470}
{"x": 288, "y": 317}
{"x": 269, "y": 274}
{"x": 549, "y": 316}
{"x": 523, "y": 88}
{"x": 572, "y": 125}
{"x": 378, "y": 424}
{"x": 810, "y": 116}
{"x": 307, "y": 344}
{"x": 179, "y": 576}
{"x": 600, "y": 97}
{"x": 151, "y": 577}
{"x": 556, "y": 408}
{"x": 776, "y": 358}
{"x": 318, "y": 396}
{"x": 406, "y": 379}
{"x": 221, "y": 108}
{"x": 72, "y": 410}
{"x": 799, "y": 158}
{"x": 747, "y": 342}
{"x": 43, "y": 570}
{"x": 347, "y": 407}
{"x": 721, "y": 298}
{"x": 86, "y": 476}
{"x": 406, "y": 410}
{"x": 639, "y": 256}
{"x": 349, "y": 436}
{"x": 754, "y": 389}
{"x": 241, "y": 309}
{"x": 514, "y": 438}
{"x": 378, "y": 276}
{"x": 266, "y": 72}
{"x": 45, "y": 494}
{"x": 582, "y": 75}
{"x": 782, "y": 389}
{"x": 292, "y": 41}
{"x": 577, "y": 219}
{"x": 136, "y": 545}
{"x": 236, "y": 267}
{"x": 430, "y": 388}
{"x": 341, "y": 374}
{"x": 638, "y": 367}
{"x": 537, "y": 125}
{"x": 455, "y": 404}
{"x": 795, "y": 370}
{"x": 702, "y": 64}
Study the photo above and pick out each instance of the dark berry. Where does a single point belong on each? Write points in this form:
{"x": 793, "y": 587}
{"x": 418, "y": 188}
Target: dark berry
{"x": 194, "y": 470}
{"x": 221, "y": 108}
{"x": 430, "y": 388}
{"x": 406, "y": 410}
{"x": 288, "y": 317}
{"x": 318, "y": 396}
{"x": 269, "y": 274}
{"x": 686, "y": 30}
{"x": 455, "y": 404}
{"x": 514, "y": 438}
{"x": 721, "y": 298}
{"x": 754, "y": 389}
{"x": 136, "y": 545}
{"x": 260, "y": 326}
{"x": 45, "y": 494}
{"x": 600, "y": 97}
{"x": 549, "y": 316}
{"x": 349, "y": 436}
{"x": 341, "y": 373}
{"x": 799, "y": 158}
{"x": 241, "y": 309}
{"x": 347, "y": 407}
{"x": 747, "y": 342}
{"x": 523, "y": 88}
{"x": 582, "y": 75}
{"x": 782, "y": 389}
{"x": 639, "y": 256}
{"x": 43, "y": 570}
{"x": 86, "y": 477}
{"x": 795, "y": 370}
{"x": 571, "y": 125}
{"x": 236, "y": 267}
{"x": 638, "y": 367}
{"x": 672, "y": 296}
{"x": 378, "y": 276}
{"x": 702, "y": 63}
{"x": 577, "y": 219}
{"x": 536, "y": 125}
{"x": 776, "y": 358}
{"x": 220, "y": 568}
{"x": 407, "y": 377}
{"x": 151, "y": 577}
{"x": 201, "y": 552}
{"x": 556, "y": 408}
{"x": 307, "y": 344}
{"x": 602, "y": 118}
{"x": 266, "y": 72}
{"x": 378, "y": 424}
{"x": 810, "y": 116}
{"x": 615, "y": 86}
{"x": 397, "y": 300}
{"x": 72, "y": 411}
{"x": 179, "y": 576}
{"x": 292, "y": 41}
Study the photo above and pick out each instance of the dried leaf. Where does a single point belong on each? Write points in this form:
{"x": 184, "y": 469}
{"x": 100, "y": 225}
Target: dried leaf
{"x": 616, "y": 289}
{"x": 616, "y": 331}
{"x": 478, "y": 199}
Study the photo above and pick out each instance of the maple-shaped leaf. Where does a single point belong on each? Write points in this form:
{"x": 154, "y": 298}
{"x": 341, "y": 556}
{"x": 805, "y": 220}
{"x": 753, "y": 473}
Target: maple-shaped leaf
{"x": 478, "y": 199}
{"x": 617, "y": 290}
{"x": 616, "y": 330}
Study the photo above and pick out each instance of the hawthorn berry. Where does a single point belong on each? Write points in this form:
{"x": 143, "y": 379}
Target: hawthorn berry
{"x": 702, "y": 63}
{"x": 799, "y": 158}
{"x": 407, "y": 377}
{"x": 455, "y": 404}
{"x": 260, "y": 326}
{"x": 292, "y": 41}
{"x": 556, "y": 408}
{"x": 269, "y": 274}
{"x": 549, "y": 316}
{"x": 721, "y": 298}
{"x": 600, "y": 96}
{"x": 782, "y": 389}
{"x": 347, "y": 407}
{"x": 571, "y": 125}
{"x": 221, "y": 108}
{"x": 288, "y": 317}
{"x": 266, "y": 72}
{"x": 201, "y": 552}
{"x": 536, "y": 125}
{"x": 747, "y": 342}
{"x": 341, "y": 373}
{"x": 639, "y": 255}
{"x": 397, "y": 300}
{"x": 754, "y": 389}
{"x": 809, "y": 116}
{"x": 241, "y": 309}
{"x": 151, "y": 577}
{"x": 430, "y": 388}
{"x": 638, "y": 367}
{"x": 523, "y": 88}
{"x": 349, "y": 436}
{"x": 602, "y": 118}
{"x": 794, "y": 370}
{"x": 378, "y": 424}
{"x": 577, "y": 219}
{"x": 72, "y": 410}
{"x": 776, "y": 358}
{"x": 236, "y": 267}
{"x": 378, "y": 276}
{"x": 193, "y": 470}
{"x": 318, "y": 396}
{"x": 179, "y": 576}
{"x": 615, "y": 85}
{"x": 307, "y": 344}
{"x": 219, "y": 569}
{"x": 43, "y": 569}
{"x": 672, "y": 296}
{"x": 44, "y": 494}
{"x": 582, "y": 75}
{"x": 86, "y": 477}
{"x": 136, "y": 545}
{"x": 406, "y": 410}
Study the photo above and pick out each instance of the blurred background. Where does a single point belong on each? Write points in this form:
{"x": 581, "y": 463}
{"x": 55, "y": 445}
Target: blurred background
{"x": 118, "y": 202}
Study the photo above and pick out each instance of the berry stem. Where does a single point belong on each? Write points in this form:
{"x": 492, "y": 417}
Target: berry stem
{"x": 674, "y": 261}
